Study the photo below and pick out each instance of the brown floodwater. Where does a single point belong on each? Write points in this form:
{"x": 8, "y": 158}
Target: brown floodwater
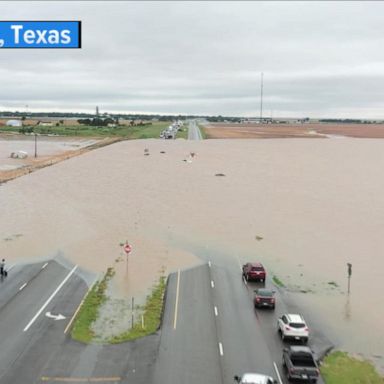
{"x": 304, "y": 207}
{"x": 44, "y": 145}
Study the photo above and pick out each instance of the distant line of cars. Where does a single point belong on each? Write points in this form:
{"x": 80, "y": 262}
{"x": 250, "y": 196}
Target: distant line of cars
{"x": 171, "y": 131}
{"x": 298, "y": 361}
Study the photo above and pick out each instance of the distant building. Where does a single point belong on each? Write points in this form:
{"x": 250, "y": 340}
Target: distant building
{"x": 14, "y": 123}
{"x": 45, "y": 123}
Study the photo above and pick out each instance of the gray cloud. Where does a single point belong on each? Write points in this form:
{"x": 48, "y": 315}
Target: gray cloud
{"x": 319, "y": 58}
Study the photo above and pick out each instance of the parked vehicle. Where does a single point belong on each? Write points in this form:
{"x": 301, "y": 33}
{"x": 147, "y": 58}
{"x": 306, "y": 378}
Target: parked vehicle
{"x": 293, "y": 326}
{"x": 264, "y": 298}
{"x": 254, "y": 271}
{"x": 254, "y": 378}
{"x": 299, "y": 363}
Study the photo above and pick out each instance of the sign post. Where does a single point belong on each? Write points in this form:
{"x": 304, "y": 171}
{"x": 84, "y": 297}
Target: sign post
{"x": 349, "y": 276}
{"x": 127, "y": 249}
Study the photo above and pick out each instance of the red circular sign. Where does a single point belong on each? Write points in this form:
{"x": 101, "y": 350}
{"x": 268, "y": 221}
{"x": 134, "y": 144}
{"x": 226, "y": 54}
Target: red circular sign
{"x": 127, "y": 248}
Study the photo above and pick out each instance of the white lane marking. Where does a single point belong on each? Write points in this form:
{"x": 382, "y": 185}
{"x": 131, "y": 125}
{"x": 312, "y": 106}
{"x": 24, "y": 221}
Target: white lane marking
{"x": 277, "y": 373}
{"x": 216, "y": 311}
{"x": 238, "y": 261}
{"x": 209, "y": 264}
{"x": 245, "y": 281}
{"x": 212, "y": 284}
{"x": 44, "y": 265}
{"x": 49, "y": 299}
{"x": 221, "y": 349}
{"x": 177, "y": 299}
{"x": 78, "y": 309}
{"x": 23, "y": 286}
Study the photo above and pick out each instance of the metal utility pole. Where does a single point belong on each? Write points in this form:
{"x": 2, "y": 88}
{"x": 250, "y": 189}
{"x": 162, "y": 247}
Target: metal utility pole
{"x": 261, "y": 98}
{"x": 349, "y": 276}
{"x": 35, "y": 144}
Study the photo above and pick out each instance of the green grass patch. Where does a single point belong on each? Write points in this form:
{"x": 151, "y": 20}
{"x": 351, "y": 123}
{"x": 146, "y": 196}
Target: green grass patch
{"x": 182, "y": 133}
{"x": 88, "y": 312}
{"x": 203, "y": 132}
{"x": 152, "y": 311}
{"x": 340, "y": 368}
{"x": 146, "y": 132}
{"x": 277, "y": 281}
{"x": 129, "y": 132}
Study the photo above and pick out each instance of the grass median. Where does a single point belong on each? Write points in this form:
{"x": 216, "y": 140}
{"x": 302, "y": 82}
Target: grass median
{"x": 148, "y": 322}
{"x": 341, "y": 368}
{"x": 81, "y": 330}
{"x": 151, "y": 315}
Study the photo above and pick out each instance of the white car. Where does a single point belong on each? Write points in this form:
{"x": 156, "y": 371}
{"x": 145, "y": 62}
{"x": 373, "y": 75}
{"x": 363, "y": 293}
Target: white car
{"x": 293, "y": 326}
{"x": 254, "y": 378}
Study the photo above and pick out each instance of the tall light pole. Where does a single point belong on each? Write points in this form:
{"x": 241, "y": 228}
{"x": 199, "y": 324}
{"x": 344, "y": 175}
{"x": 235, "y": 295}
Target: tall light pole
{"x": 35, "y": 144}
{"x": 261, "y": 98}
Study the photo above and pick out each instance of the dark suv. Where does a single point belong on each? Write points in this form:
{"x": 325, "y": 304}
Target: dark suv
{"x": 254, "y": 271}
{"x": 264, "y": 298}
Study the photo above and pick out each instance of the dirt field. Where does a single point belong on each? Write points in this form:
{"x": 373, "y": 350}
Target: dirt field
{"x": 310, "y": 130}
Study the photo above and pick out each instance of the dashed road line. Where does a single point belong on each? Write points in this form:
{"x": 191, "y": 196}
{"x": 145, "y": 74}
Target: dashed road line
{"x": 212, "y": 284}
{"x": 209, "y": 264}
{"x": 221, "y": 349}
{"x": 177, "y": 299}
{"x": 44, "y": 265}
{"x": 23, "y": 286}
{"x": 216, "y": 311}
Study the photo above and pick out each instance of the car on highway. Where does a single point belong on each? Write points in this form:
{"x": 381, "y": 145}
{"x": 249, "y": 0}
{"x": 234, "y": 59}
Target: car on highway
{"x": 254, "y": 378}
{"x": 293, "y": 326}
{"x": 254, "y": 272}
{"x": 300, "y": 364}
{"x": 264, "y": 298}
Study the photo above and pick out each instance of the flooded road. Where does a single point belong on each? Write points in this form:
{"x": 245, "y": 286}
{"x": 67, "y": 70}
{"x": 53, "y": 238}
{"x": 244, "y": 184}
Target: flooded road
{"x": 303, "y": 207}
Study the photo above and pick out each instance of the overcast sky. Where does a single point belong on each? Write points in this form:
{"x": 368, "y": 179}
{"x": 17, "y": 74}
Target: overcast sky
{"x": 319, "y": 59}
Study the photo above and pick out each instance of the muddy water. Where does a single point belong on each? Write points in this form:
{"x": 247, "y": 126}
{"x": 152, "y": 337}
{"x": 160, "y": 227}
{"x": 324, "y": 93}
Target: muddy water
{"x": 45, "y": 146}
{"x": 304, "y": 207}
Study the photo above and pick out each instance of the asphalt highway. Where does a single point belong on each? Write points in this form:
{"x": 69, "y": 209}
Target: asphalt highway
{"x": 210, "y": 330}
{"x": 34, "y": 347}
{"x": 194, "y": 131}
{"x": 27, "y": 334}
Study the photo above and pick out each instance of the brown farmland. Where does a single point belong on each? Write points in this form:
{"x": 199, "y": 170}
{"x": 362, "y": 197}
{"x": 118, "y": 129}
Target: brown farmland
{"x": 309, "y": 130}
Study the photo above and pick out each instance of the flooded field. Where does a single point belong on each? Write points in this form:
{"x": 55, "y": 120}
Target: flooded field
{"x": 303, "y": 207}
{"x": 45, "y": 146}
